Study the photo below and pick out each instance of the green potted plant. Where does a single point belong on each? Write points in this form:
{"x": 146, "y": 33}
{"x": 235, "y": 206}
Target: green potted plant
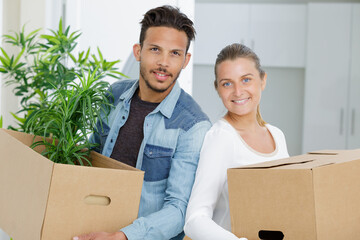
{"x": 61, "y": 94}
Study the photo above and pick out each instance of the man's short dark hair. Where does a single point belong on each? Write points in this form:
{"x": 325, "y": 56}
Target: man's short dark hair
{"x": 167, "y": 16}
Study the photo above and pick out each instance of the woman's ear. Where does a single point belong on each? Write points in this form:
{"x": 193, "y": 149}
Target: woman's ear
{"x": 263, "y": 82}
{"x": 137, "y": 51}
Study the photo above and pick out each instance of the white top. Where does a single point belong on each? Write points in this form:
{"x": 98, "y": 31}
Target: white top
{"x": 208, "y": 215}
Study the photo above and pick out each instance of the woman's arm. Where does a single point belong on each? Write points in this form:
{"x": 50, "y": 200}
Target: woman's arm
{"x": 209, "y": 183}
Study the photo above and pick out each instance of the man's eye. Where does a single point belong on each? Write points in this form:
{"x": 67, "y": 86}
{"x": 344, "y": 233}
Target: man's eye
{"x": 227, "y": 84}
{"x": 154, "y": 49}
{"x": 176, "y": 53}
{"x": 246, "y": 80}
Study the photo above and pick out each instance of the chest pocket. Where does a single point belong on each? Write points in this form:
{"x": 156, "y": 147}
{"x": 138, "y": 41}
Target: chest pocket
{"x": 156, "y": 162}
{"x": 101, "y": 134}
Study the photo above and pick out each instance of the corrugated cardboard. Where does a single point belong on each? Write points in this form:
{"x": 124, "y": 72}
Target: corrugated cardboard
{"x": 43, "y": 200}
{"x": 315, "y": 196}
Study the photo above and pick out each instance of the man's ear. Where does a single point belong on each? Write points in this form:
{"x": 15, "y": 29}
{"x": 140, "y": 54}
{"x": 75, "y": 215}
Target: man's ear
{"x": 137, "y": 51}
{"x": 187, "y": 59}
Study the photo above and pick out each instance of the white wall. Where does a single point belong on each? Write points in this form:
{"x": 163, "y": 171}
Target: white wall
{"x": 281, "y": 101}
{"x": 10, "y": 21}
{"x": 15, "y": 14}
{"x": 115, "y": 28}
{"x": 110, "y": 25}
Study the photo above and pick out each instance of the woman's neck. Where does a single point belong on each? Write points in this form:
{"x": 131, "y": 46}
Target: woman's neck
{"x": 243, "y": 123}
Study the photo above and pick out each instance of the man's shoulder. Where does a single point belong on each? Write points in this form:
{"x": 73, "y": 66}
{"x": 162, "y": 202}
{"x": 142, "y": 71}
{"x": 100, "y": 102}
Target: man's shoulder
{"x": 121, "y": 86}
{"x": 186, "y": 113}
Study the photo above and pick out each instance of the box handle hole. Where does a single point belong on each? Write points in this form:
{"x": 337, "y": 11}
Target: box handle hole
{"x": 97, "y": 200}
{"x": 270, "y": 235}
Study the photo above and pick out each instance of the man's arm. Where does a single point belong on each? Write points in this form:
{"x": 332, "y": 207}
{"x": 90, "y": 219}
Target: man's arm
{"x": 102, "y": 236}
{"x": 169, "y": 221}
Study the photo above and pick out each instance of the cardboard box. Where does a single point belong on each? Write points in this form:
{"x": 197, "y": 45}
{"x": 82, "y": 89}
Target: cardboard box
{"x": 315, "y": 196}
{"x": 43, "y": 200}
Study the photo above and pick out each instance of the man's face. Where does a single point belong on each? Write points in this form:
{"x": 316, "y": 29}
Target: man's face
{"x": 162, "y": 57}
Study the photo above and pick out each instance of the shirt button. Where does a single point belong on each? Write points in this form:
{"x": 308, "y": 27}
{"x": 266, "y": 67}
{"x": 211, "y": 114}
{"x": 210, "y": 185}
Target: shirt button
{"x": 150, "y": 153}
{"x": 111, "y": 140}
{"x": 123, "y": 117}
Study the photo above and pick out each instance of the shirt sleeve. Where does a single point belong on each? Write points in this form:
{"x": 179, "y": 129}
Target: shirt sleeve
{"x": 210, "y": 179}
{"x": 169, "y": 221}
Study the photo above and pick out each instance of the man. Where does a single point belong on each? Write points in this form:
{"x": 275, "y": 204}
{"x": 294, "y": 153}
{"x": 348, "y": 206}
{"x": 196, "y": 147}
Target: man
{"x": 157, "y": 127}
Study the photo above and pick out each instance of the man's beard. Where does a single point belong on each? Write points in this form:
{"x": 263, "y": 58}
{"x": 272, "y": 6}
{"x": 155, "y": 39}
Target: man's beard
{"x": 142, "y": 73}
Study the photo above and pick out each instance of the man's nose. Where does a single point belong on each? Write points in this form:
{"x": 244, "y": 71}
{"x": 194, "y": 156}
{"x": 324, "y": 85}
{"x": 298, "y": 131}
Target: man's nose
{"x": 163, "y": 60}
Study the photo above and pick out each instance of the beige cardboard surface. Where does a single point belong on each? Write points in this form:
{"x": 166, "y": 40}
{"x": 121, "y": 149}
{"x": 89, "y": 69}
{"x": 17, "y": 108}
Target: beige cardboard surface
{"x": 279, "y": 193}
{"x": 67, "y": 200}
{"x": 337, "y": 198}
{"x": 314, "y": 199}
{"x": 24, "y": 185}
{"x": 50, "y": 201}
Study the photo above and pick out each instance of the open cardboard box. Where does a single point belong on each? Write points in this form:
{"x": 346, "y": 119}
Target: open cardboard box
{"x": 43, "y": 200}
{"x": 315, "y": 196}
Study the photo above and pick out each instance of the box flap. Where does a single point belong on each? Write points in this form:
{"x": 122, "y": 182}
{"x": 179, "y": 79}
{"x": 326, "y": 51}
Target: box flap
{"x": 320, "y": 161}
{"x": 99, "y": 160}
{"x": 23, "y": 199}
{"x": 301, "y": 159}
{"x": 326, "y": 152}
{"x": 305, "y": 161}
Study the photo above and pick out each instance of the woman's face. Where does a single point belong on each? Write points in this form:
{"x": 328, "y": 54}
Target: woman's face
{"x": 240, "y": 86}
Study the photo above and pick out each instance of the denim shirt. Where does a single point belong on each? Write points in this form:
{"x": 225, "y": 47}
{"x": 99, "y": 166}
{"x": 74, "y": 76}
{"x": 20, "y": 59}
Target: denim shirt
{"x": 169, "y": 154}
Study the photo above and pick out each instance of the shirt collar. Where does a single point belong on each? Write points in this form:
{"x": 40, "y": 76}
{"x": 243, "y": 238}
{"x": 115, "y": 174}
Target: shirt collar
{"x": 166, "y": 107}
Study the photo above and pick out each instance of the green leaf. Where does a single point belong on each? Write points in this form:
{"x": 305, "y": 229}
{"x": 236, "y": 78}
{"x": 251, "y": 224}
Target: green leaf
{"x": 5, "y": 62}
{"x": 72, "y": 57}
{"x": 30, "y": 35}
{"x": 20, "y": 119}
{"x": 10, "y": 37}
{"x": 60, "y": 26}
{"x": 19, "y": 56}
{"x": 119, "y": 73}
{"x": 100, "y": 54}
{"x": 4, "y": 53}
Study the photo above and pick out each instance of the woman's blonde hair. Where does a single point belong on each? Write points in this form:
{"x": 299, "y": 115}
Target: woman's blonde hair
{"x": 234, "y": 51}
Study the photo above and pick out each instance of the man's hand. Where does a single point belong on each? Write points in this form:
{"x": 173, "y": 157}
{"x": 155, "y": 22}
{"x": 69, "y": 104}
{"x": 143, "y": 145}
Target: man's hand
{"x": 102, "y": 236}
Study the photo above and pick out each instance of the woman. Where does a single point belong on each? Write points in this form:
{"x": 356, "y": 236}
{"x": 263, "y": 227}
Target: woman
{"x": 240, "y": 138}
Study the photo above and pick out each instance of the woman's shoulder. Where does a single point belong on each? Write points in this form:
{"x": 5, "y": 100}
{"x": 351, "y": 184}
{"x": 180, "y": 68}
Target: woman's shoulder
{"x": 220, "y": 127}
{"x": 221, "y": 133}
{"x": 275, "y": 131}
{"x": 279, "y": 138}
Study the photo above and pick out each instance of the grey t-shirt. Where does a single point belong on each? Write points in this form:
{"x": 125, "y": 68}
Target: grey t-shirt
{"x": 130, "y": 135}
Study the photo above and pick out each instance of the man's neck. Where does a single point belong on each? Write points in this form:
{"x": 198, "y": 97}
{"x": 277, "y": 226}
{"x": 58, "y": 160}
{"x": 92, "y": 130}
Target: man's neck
{"x": 148, "y": 95}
